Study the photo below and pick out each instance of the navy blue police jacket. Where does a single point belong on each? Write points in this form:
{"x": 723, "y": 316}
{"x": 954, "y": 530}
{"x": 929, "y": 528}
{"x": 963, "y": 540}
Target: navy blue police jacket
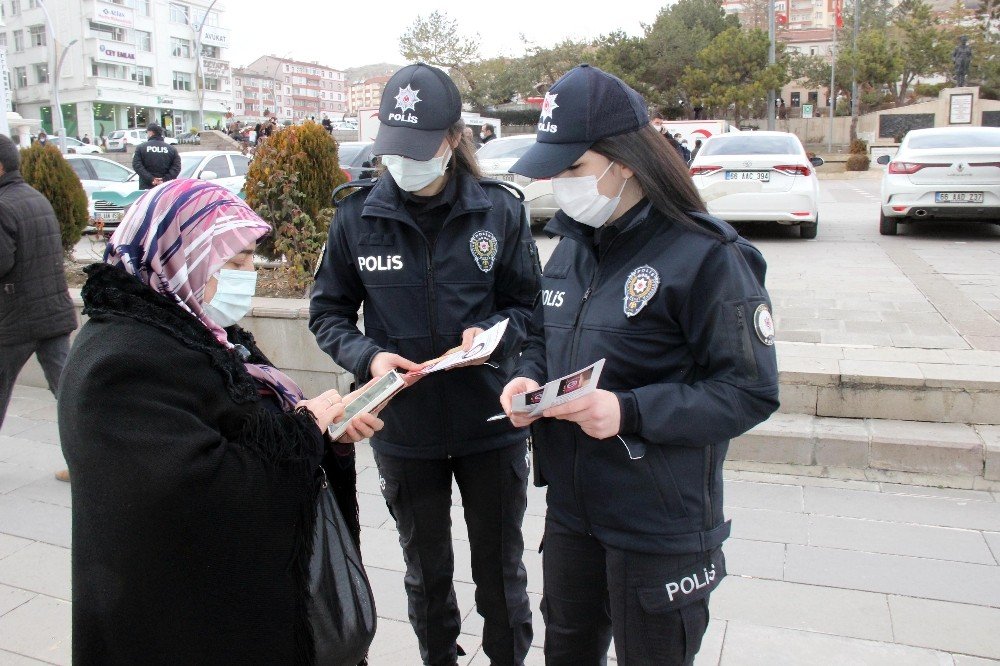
{"x": 673, "y": 312}
{"x": 418, "y": 299}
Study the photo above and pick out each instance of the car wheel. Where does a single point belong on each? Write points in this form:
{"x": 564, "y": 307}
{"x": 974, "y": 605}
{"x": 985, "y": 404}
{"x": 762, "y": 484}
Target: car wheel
{"x": 887, "y": 225}
{"x": 808, "y": 230}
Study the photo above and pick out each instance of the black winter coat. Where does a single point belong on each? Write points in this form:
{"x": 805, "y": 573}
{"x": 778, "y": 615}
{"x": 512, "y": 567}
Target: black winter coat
{"x": 34, "y": 301}
{"x": 688, "y": 366}
{"x": 155, "y": 159}
{"x": 193, "y": 500}
{"x": 418, "y": 298}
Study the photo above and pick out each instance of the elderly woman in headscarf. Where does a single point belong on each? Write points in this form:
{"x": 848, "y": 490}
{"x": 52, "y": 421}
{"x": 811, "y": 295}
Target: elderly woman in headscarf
{"x": 194, "y": 460}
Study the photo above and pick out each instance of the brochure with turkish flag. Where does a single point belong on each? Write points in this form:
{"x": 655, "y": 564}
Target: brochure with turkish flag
{"x": 559, "y": 391}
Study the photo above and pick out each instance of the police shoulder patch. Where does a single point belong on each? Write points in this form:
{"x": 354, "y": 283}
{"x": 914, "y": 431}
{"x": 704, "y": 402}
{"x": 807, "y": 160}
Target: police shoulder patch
{"x": 763, "y": 323}
{"x": 640, "y": 287}
{"x": 484, "y": 246}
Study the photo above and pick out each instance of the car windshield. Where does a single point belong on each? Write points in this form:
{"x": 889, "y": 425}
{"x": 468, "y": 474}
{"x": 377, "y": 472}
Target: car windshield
{"x": 751, "y": 145}
{"x": 499, "y": 149}
{"x": 350, "y": 151}
{"x": 973, "y": 139}
{"x": 188, "y": 164}
{"x": 117, "y": 134}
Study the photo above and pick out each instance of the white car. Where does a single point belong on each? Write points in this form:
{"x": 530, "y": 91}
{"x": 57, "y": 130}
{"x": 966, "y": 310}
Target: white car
{"x": 944, "y": 172}
{"x": 121, "y": 139}
{"x": 97, "y": 174}
{"x": 496, "y": 157}
{"x": 759, "y": 177}
{"x": 224, "y": 167}
{"x": 79, "y": 147}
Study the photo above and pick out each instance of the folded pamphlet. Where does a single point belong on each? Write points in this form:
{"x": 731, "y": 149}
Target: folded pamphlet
{"x": 558, "y": 391}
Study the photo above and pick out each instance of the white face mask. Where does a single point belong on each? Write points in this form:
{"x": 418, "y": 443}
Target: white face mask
{"x": 415, "y": 175}
{"x": 232, "y": 296}
{"x": 482, "y": 135}
{"x": 579, "y": 198}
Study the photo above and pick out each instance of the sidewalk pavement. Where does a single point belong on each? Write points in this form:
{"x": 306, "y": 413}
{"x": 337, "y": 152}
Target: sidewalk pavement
{"x": 821, "y": 571}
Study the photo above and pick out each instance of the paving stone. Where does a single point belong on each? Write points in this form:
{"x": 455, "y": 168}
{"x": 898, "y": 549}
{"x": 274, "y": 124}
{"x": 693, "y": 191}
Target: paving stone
{"x": 785, "y": 349}
{"x": 931, "y": 491}
{"x": 47, "y": 489}
{"x": 808, "y": 370}
{"x": 973, "y": 357}
{"x": 14, "y": 425}
{"x": 766, "y": 525}
{"x": 41, "y": 568}
{"x": 963, "y": 660}
{"x": 37, "y": 455}
{"x": 993, "y": 541}
{"x": 991, "y": 440}
{"x": 12, "y": 597}
{"x": 11, "y": 659}
{"x": 20, "y": 406}
{"x": 777, "y": 494}
{"x": 760, "y": 559}
{"x": 373, "y": 511}
{"x": 828, "y": 610}
{"x": 783, "y": 438}
{"x": 39, "y": 629}
{"x": 873, "y": 536}
{"x": 380, "y": 548}
{"x": 40, "y": 431}
{"x": 966, "y": 377}
{"x": 902, "y": 508}
{"x": 936, "y": 448}
{"x": 797, "y": 398}
{"x": 841, "y": 442}
{"x": 11, "y": 544}
{"x": 927, "y": 341}
{"x": 14, "y": 476}
{"x": 750, "y": 644}
{"x": 894, "y": 574}
{"x": 902, "y": 403}
{"x": 984, "y": 342}
{"x": 711, "y": 644}
{"x": 35, "y": 520}
{"x": 971, "y": 630}
{"x": 797, "y": 336}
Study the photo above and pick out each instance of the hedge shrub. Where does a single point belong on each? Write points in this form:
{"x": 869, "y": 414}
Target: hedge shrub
{"x": 290, "y": 184}
{"x": 46, "y": 170}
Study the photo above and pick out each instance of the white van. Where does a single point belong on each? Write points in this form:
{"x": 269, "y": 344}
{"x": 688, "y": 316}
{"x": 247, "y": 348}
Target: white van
{"x": 121, "y": 139}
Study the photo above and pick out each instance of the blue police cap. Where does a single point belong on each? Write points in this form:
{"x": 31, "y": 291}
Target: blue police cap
{"x": 582, "y": 107}
{"x": 419, "y": 104}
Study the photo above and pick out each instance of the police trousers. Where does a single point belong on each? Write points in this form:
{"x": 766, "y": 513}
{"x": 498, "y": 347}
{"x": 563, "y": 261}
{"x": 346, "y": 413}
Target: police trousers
{"x": 655, "y": 606}
{"x": 493, "y": 486}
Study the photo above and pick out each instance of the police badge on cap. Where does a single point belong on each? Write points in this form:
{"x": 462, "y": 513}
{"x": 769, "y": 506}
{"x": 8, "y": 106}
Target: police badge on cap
{"x": 640, "y": 287}
{"x": 483, "y": 245}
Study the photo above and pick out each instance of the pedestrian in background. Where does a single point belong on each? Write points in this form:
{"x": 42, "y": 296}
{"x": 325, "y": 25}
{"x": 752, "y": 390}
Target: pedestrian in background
{"x": 436, "y": 255}
{"x": 487, "y": 133}
{"x": 155, "y": 161}
{"x": 697, "y": 147}
{"x": 634, "y": 522}
{"x": 36, "y": 313}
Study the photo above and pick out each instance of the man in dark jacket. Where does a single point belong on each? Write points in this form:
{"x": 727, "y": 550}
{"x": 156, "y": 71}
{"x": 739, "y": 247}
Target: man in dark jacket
{"x": 155, "y": 161}
{"x": 36, "y": 314}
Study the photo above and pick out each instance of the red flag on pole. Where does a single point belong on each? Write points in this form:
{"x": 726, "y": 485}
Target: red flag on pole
{"x": 838, "y": 13}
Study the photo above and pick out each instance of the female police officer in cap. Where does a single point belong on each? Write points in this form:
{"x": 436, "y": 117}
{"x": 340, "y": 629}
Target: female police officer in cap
{"x": 674, "y": 301}
{"x": 435, "y": 255}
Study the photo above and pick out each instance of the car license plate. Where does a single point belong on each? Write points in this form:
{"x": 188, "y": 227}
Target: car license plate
{"x": 764, "y": 176}
{"x": 106, "y": 216}
{"x": 958, "y": 197}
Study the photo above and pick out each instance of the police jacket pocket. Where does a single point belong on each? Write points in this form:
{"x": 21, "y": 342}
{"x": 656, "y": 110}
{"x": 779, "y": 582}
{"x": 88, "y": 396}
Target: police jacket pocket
{"x": 685, "y": 586}
{"x": 751, "y": 334}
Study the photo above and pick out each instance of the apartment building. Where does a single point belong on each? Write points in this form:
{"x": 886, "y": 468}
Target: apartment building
{"x": 298, "y": 90}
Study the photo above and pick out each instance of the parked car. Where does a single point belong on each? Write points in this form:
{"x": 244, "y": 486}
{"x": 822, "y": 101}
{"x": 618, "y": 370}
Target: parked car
{"x": 759, "y": 177}
{"x": 79, "y": 147}
{"x": 224, "y": 167}
{"x": 356, "y": 159}
{"x": 942, "y": 173}
{"x": 97, "y": 174}
{"x": 121, "y": 139}
{"x": 189, "y": 138}
{"x": 498, "y": 156}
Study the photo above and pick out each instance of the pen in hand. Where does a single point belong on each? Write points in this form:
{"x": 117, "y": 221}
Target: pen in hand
{"x": 496, "y": 417}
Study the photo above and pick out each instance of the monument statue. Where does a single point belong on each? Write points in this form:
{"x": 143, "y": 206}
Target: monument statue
{"x": 961, "y": 57}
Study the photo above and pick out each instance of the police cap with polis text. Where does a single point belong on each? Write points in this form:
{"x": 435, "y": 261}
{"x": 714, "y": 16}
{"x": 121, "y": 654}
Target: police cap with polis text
{"x": 582, "y": 107}
{"x": 419, "y": 104}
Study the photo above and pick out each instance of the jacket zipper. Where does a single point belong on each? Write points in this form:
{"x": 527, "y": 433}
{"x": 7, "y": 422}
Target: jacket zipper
{"x": 749, "y": 363}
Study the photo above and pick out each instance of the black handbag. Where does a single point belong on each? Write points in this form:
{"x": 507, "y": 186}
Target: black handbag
{"x": 341, "y": 604}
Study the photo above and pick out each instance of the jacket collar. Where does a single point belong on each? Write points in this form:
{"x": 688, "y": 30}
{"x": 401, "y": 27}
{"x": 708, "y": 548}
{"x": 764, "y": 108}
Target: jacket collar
{"x": 563, "y": 225}
{"x": 10, "y": 178}
{"x": 387, "y": 200}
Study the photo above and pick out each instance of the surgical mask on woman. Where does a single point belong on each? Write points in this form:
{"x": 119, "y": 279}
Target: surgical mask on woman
{"x": 415, "y": 175}
{"x": 232, "y": 297}
{"x": 579, "y": 198}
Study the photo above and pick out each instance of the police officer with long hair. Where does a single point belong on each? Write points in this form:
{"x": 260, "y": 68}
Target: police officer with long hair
{"x": 436, "y": 254}
{"x": 674, "y": 301}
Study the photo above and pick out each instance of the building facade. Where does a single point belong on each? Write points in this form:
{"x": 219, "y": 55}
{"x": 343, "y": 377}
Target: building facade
{"x": 126, "y": 63}
{"x": 299, "y": 90}
{"x": 366, "y": 94}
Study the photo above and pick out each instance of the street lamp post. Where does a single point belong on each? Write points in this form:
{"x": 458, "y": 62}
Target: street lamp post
{"x": 200, "y": 67}
{"x": 770, "y": 61}
{"x": 60, "y": 128}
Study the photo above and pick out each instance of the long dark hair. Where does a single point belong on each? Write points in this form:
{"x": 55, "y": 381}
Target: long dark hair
{"x": 660, "y": 171}
{"x": 463, "y": 158}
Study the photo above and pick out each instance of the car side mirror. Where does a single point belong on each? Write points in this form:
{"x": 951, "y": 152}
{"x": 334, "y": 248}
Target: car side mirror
{"x": 208, "y": 175}
{"x": 883, "y": 159}
{"x": 817, "y": 161}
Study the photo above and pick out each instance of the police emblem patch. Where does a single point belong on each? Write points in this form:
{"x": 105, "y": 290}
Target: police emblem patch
{"x": 763, "y": 323}
{"x": 483, "y": 245}
{"x": 640, "y": 287}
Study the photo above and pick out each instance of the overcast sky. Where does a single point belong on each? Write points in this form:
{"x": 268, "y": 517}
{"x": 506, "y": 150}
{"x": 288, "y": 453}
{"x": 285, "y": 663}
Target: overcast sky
{"x": 360, "y": 32}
